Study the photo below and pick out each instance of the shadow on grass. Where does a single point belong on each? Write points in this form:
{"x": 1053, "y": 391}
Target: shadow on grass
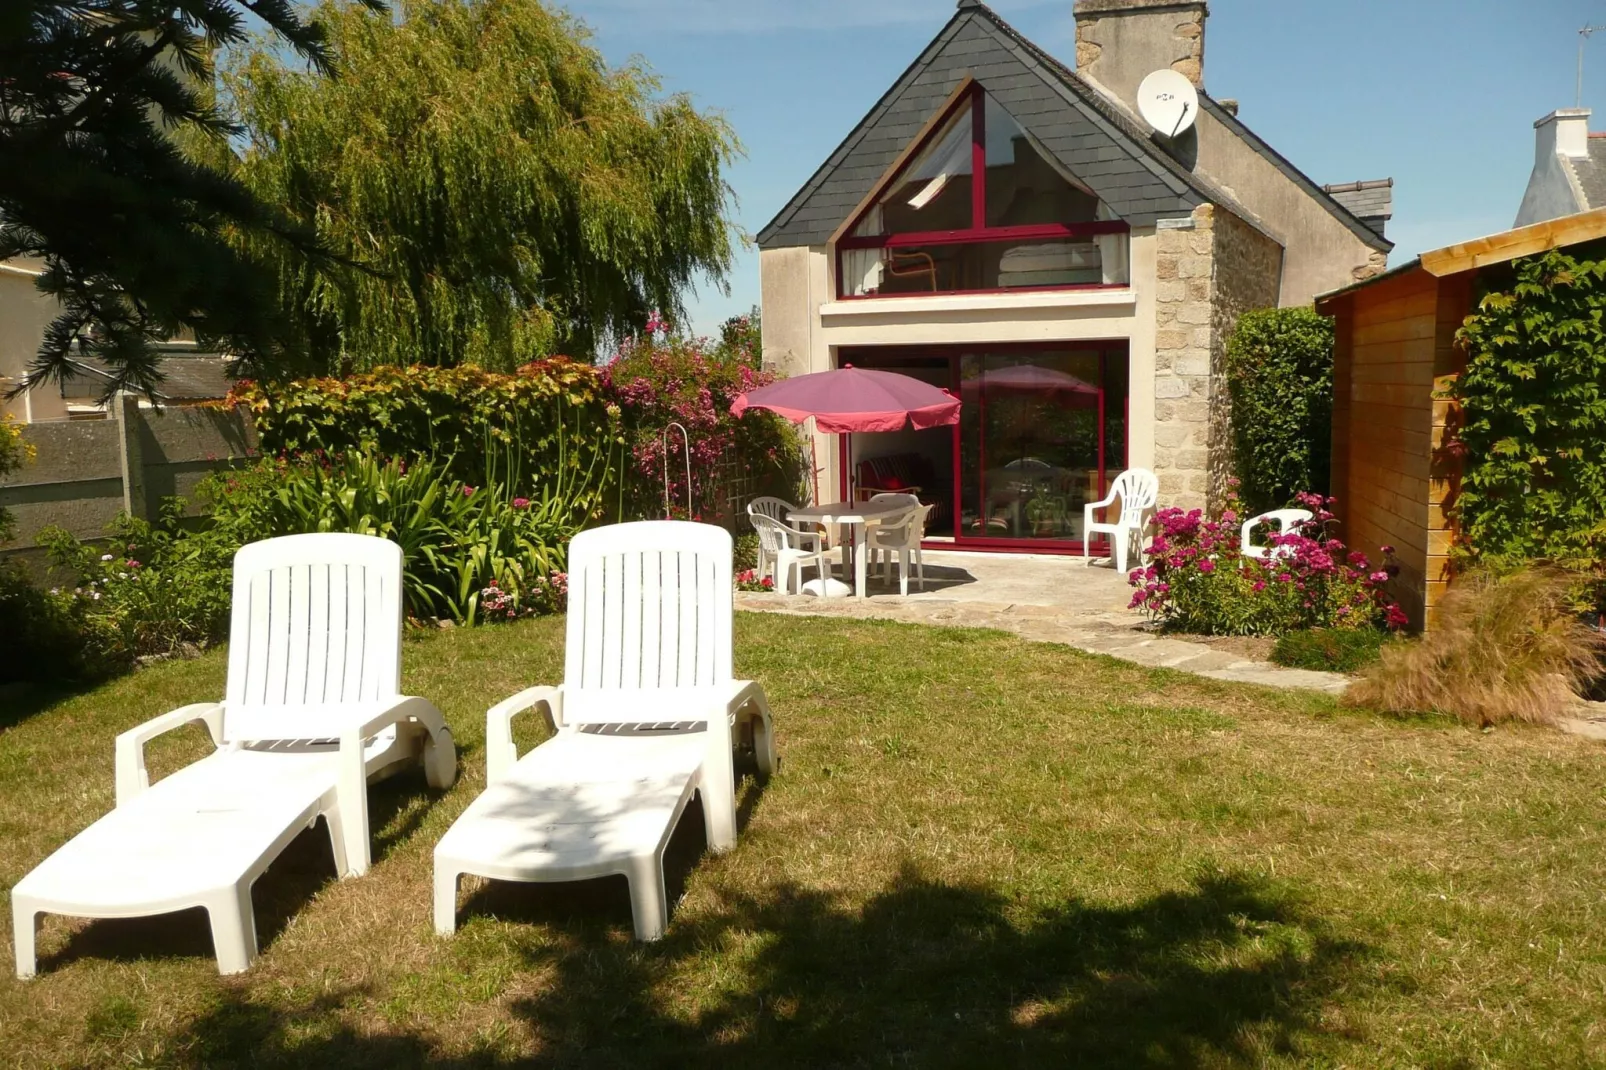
{"x": 1225, "y": 973}
{"x": 304, "y": 867}
{"x": 24, "y": 699}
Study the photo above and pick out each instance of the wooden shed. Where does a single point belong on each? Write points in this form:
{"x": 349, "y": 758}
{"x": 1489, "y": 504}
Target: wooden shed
{"x": 1395, "y": 348}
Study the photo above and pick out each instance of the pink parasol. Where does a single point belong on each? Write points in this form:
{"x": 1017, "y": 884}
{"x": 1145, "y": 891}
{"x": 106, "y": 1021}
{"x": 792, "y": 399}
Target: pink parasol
{"x": 853, "y": 399}
{"x": 1031, "y": 379}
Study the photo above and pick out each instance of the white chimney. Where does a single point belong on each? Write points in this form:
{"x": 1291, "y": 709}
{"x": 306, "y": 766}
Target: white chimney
{"x": 1564, "y": 132}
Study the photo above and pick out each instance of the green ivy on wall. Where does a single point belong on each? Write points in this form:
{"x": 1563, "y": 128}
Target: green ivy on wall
{"x": 1280, "y": 377}
{"x": 1533, "y": 416}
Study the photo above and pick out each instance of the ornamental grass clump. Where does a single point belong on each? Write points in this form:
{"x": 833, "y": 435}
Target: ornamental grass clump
{"x": 1200, "y": 581}
{"x": 1502, "y": 648}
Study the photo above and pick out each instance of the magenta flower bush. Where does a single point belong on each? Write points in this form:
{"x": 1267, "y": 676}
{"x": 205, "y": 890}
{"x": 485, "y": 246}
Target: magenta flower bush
{"x": 1199, "y": 581}
{"x": 658, "y": 379}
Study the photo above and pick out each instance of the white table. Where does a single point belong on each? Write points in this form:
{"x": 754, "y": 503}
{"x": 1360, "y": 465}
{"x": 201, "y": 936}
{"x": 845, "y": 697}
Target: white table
{"x": 857, "y": 515}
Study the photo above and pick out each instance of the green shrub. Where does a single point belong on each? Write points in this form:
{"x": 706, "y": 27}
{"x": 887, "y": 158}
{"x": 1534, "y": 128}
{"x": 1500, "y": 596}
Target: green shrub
{"x": 552, "y": 421}
{"x": 460, "y": 541}
{"x": 1502, "y": 648}
{"x": 1329, "y": 649}
{"x": 14, "y": 453}
{"x": 1280, "y": 378}
{"x": 45, "y": 636}
{"x": 150, "y": 589}
{"x": 1532, "y": 417}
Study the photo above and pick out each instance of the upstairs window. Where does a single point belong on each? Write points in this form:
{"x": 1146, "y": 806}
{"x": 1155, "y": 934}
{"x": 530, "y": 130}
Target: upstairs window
{"x": 981, "y": 207}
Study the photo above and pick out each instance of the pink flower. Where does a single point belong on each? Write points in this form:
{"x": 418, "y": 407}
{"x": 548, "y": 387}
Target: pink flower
{"x": 521, "y": 503}
{"x": 1260, "y": 585}
{"x": 1387, "y": 549}
{"x": 1396, "y": 617}
{"x": 1207, "y": 565}
{"x": 1379, "y": 577}
{"x": 468, "y": 492}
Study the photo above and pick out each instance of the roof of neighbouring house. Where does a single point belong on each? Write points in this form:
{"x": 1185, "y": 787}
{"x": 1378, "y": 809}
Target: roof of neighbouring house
{"x": 1590, "y": 171}
{"x": 1094, "y": 137}
{"x": 186, "y": 375}
{"x": 1372, "y": 202}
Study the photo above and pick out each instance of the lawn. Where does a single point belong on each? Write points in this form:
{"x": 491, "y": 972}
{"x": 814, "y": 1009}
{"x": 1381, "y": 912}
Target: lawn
{"x": 979, "y": 851}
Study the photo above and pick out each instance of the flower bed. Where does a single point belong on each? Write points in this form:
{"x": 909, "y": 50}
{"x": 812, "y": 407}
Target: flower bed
{"x": 1200, "y": 581}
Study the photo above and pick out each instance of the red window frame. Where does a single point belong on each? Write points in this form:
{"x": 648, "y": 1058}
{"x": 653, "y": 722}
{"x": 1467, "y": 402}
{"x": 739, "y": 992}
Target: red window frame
{"x": 978, "y": 232}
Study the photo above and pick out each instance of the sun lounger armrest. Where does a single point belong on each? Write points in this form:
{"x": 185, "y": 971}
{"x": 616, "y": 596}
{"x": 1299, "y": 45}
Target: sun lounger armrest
{"x": 351, "y": 784}
{"x": 130, "y": 748}
{"x": 500, "y": 751}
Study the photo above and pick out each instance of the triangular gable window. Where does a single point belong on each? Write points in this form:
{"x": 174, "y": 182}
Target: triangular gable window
{"x": 981, "y": 206}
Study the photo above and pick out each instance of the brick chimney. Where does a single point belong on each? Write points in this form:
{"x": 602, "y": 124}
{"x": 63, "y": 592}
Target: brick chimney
{"x": 1119, "y": 42}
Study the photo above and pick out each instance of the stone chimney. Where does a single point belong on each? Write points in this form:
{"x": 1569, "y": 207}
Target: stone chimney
{"x": 1564, "y": 132}
{"x": 1119, "y": 42}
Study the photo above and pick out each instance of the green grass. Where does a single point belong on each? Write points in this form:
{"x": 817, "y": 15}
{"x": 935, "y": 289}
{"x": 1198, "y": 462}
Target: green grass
{"x": 979, "y": 851}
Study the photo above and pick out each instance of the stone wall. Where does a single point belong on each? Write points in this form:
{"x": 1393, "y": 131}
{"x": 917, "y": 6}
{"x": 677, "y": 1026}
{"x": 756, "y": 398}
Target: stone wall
{"x": 1206, "y": 276}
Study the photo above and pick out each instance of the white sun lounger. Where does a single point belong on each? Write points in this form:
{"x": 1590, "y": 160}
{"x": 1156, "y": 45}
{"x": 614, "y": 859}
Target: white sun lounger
{"x": 312, "y": 713}
{"x": 646, "y": 718}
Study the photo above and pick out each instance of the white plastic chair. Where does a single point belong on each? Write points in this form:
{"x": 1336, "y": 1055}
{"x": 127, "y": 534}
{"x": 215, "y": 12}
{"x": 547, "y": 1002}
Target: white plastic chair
{"x": 1137, "y": 489}
{"x": 902, "y": 536}
{"x": 312, "y": 712}
{"x": 778, "y": 509}
{"x": 1287, "y": 520}
{"x": 783, "y": 548}
{"x": 647, "y": 716}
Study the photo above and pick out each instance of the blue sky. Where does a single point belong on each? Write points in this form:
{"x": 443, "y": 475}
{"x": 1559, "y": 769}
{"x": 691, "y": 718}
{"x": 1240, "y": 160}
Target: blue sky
{"x": 1439, "y": 94}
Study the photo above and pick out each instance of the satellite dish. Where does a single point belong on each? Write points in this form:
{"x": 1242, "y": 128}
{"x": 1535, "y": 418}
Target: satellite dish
{"x": 1168, "y": 101}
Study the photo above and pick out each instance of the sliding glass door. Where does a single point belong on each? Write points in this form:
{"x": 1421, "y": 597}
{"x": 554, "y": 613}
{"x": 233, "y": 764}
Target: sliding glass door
{"x": 1042, "y": 432}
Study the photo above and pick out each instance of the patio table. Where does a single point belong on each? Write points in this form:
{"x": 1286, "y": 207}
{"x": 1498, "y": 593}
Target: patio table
{"x": 858, "y": 516}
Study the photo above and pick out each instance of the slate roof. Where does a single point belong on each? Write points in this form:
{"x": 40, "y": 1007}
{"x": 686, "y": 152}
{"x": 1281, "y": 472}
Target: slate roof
{"x": 1088, "y": 135}
{"x": 1372, "y": 202}
{"x": 1591, "y": 173}
{"x": 1092, "y": 136}
{"x": 186, "y": 376}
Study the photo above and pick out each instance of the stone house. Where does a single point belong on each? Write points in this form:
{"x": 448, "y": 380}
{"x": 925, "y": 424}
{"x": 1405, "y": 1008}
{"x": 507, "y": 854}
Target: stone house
{"x": 1010, "y": 229}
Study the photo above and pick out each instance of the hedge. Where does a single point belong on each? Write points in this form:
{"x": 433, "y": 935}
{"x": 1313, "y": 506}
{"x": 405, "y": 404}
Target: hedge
{"x": 1280, "y": 378}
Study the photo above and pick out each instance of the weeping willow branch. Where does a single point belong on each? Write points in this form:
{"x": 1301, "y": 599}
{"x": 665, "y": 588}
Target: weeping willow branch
{"x": 510, "y": 194}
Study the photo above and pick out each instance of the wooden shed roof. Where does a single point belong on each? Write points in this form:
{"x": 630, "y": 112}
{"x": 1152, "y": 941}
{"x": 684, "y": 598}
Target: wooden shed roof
{"x": 1483, "y": 252}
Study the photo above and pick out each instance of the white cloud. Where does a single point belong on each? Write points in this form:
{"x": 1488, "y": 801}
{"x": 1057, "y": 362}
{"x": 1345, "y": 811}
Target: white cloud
{"x": 761, "y": 16}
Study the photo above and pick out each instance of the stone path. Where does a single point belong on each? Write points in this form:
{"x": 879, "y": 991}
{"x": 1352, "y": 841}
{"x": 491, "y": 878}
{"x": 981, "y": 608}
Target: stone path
{"x": 1053, "y": 600}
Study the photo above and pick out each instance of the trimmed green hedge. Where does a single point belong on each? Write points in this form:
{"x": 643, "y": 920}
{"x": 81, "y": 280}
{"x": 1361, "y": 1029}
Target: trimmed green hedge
{"x": 553, "y": 420}
{"x": 1280, "y": 378}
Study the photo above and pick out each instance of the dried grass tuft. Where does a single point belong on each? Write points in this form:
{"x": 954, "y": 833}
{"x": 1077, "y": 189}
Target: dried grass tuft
{"x": 1503, "y": 648}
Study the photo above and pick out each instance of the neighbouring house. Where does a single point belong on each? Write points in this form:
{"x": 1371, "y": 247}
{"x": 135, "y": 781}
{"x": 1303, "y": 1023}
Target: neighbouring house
{"x": 1012, "y": 230}
{"x": 1395, "y": 350}
{"x": 189, "y": 376}
{"x": 1569, "y": 174}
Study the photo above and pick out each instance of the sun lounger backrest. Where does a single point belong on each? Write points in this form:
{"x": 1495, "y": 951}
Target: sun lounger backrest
{"x": 316, "y": 621}
{"x": 649, "y": 610}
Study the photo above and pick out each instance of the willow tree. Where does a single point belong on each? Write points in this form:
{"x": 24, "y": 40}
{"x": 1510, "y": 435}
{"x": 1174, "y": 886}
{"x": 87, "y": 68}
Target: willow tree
{"x": 505, "y": 192}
